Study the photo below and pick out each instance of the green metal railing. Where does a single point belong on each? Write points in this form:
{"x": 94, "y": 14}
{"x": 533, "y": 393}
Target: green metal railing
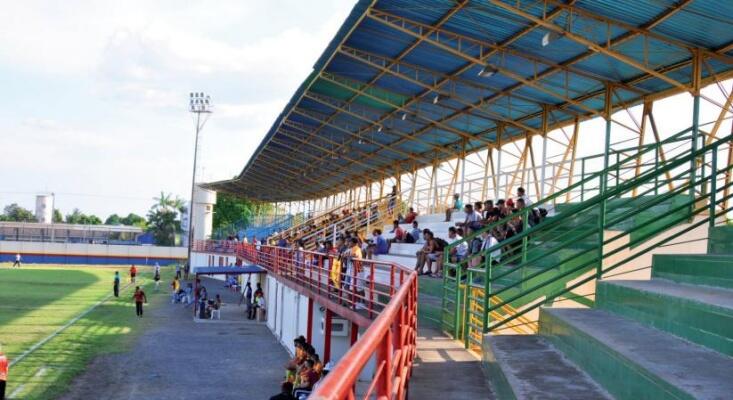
{"x": 624, "y": 218}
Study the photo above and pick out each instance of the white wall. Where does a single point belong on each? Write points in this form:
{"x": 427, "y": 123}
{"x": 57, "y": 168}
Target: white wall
{"x": 29, "y": 250}
{"x": 287, "y": 318}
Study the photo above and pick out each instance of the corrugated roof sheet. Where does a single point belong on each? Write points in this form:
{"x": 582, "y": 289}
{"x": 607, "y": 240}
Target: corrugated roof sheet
{"x": 398, "y": 87}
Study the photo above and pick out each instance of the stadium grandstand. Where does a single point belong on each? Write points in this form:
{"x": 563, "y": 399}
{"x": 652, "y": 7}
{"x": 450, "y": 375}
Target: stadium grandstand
{"x": 544, "y": 185}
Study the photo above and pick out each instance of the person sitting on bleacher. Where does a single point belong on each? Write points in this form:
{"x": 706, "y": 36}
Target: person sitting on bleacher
{"x": 399, "y": 234}
{"x": 379, "y": 246}
{"x": 421, "y": 254}
{"x": 472, "y": 223}
{"x": 521, "y": 194}
{"x": 459, "y": 252}
{"x": 434, "y": 254}
{"x": 414, "y": 235}
{"x": 411, "y": 215}
{"x": 488, "y": 209}
{"x": 457, "y": 206}
{"x": 489, "y": 241}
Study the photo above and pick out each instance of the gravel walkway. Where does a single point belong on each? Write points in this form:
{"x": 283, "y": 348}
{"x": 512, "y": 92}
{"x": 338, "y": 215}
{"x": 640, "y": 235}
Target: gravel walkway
{"x": 180, "y": 359}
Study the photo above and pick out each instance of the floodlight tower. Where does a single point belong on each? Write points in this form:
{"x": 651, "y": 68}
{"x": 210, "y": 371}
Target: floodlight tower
{"x": 199, "y": 103}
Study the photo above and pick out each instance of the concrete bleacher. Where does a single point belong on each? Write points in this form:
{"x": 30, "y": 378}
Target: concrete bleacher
{"x": 404, "y": 253}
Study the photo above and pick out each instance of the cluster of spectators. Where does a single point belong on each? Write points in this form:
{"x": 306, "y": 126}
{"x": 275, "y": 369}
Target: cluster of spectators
{"x": 477, "y": 216}
{"x": 302, "y": 373}
{"x": 309, "y": 235}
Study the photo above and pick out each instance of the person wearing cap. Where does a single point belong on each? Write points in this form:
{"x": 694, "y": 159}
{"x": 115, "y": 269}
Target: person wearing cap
{"x": 457, "y": 206}
{"x": 3, "y": 372}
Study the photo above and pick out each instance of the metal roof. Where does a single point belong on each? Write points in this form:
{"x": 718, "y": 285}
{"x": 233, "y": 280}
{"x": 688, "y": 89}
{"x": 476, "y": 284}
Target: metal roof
{"x": 401, "y": 85}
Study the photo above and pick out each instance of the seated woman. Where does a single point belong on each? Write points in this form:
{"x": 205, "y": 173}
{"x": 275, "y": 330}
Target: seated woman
{"x": 307, "y": 377}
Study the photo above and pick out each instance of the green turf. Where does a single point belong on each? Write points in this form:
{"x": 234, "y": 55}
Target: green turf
{"x": 36, "y": 301}
{"x": 429, "y": 299}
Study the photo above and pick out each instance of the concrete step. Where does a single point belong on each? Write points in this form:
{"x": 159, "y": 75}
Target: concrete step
{"x": 720, "y": 240}
{"x": 439, "y": 228}
{"x": 428, "y": 218}
{"x": 699, "y": 269}
{"x": 634, "y": 361}
{"x": 529, "y": 367}
{"x": 406, "y": 261}
{"x": 700, "y": 314}
{"x": 405, "y": 249}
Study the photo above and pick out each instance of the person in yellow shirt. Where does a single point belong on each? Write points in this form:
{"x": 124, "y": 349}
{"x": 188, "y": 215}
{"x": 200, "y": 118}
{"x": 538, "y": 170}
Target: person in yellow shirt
{"x": 354, "y": 276}
{"x": 176, "y": 286}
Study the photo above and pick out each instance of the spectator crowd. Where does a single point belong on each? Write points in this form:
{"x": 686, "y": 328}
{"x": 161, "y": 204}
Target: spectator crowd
{"x": 303, "y": 372}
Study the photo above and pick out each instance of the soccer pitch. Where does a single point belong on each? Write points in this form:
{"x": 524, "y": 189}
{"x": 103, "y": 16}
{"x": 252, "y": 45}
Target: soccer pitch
{"x": 37, "y": 301}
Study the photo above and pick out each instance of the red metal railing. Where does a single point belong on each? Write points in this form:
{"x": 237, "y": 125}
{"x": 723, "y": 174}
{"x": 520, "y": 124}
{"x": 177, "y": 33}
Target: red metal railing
{"x": 215, "y": 246}
{"x": 383, "y": 293}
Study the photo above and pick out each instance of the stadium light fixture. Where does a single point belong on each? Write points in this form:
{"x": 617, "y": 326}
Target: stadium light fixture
{"x": 487, "y": 71}
{"x": 550, "y": 37}
{"x": 379, "y": 129}
{"x": 198, "y": 103}
{"x": 436, "y": 99}
{"x": 404, "y": 116}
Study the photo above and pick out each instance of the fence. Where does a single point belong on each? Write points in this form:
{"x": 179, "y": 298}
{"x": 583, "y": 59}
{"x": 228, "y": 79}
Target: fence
{"x": 384, "y": 293}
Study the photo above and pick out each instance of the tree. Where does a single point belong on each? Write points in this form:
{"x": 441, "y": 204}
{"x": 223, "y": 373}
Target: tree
{"x": 57, "y": 216}
{"x": 163, "y": 219}
{"x": 230, "y": 210}
{"x": 78, "y": 217}
{"x": 16, "y": 213}
{"x": 113, "y": 219}
{"x": 134, "y": 220}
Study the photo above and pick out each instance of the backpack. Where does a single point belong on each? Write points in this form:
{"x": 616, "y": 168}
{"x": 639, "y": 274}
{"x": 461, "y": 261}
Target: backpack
{"x": 409, "y": 238}
{"x": 442, "y": 244}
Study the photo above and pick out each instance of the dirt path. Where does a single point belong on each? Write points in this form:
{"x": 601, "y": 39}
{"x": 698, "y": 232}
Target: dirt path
{"x": 179, "y": 359}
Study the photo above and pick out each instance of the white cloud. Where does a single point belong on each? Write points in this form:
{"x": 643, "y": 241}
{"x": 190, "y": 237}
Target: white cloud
{"x": 101, "y": 97}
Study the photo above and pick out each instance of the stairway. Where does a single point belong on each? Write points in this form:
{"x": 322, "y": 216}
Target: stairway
{"x": 670, "y": 337}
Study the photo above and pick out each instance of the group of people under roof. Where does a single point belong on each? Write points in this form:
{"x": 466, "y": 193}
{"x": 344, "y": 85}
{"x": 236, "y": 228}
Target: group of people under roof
{"x": 316, "y": 228}
{"x": 479, "y": 216}
{"x": 303, "y": 372}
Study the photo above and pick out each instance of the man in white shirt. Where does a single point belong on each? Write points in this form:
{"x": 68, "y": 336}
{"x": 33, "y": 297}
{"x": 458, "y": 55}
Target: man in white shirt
{"x": 472, "y": 223}
{"x": 17, "y": 261}
{"x": 521, "y": 194}
{"x": 490, "y": 241}
{"x": 459, "y": 252}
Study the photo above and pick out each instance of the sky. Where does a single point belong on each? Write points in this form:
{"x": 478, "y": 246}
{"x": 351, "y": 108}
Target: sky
{"x": 95, "y": 94}
{"x": 94, "y": 103}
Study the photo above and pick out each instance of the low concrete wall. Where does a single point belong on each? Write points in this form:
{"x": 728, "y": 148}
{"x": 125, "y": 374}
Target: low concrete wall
{"x": 85, "y": 253}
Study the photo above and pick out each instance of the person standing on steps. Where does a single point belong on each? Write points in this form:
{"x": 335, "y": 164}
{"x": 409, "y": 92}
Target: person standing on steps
{"x": 133, "y": 273}
{"x": 3, "y": 372}
{"x": 116, "y": 287}
{"x": 17, "y": 261}
{"x": 140, "y": 298}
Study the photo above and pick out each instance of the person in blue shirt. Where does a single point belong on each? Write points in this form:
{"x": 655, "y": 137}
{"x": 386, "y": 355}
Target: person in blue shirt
{"x": 379, "y": 245}
{"x": 457, "y": 206}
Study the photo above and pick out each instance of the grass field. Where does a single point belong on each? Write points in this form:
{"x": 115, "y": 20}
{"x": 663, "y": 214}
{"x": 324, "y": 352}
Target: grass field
{"x": 35, "y": 301}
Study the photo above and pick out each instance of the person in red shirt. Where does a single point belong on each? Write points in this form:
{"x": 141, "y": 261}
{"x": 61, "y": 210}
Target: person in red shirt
{"x": 140, "y": 298}
{"x": 3, "y": 372}
{"x": 411, "y": 215}
{"x": 133, "y": 272}
{"x": 399, "y": 234}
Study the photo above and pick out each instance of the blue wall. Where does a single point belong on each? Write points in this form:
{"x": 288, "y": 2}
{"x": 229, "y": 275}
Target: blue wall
{"x": 85, "y": 259}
